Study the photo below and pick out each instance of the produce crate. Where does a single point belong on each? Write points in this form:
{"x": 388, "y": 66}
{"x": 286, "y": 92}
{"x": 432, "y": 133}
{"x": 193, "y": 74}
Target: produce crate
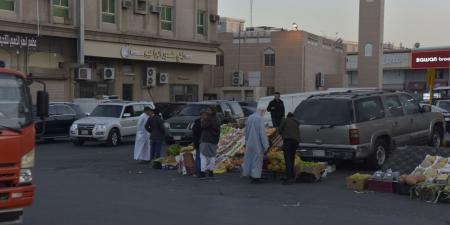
{"x": 403, "y": 189}
{"x": 381, "y": 186}
{"x": 356, "y": 184}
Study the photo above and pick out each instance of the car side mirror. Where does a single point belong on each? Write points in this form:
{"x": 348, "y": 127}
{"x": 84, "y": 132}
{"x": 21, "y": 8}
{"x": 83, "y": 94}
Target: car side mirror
{"x": 425, "y": 108}
{"x": 126, "y": 115}
{"x": 42, "y": 102}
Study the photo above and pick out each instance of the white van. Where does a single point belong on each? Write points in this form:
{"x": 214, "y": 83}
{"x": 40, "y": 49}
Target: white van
{"x": 291, "y": 101}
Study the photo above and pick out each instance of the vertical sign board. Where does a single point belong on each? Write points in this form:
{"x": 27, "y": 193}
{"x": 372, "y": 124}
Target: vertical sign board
{"x": 430, "y": 60}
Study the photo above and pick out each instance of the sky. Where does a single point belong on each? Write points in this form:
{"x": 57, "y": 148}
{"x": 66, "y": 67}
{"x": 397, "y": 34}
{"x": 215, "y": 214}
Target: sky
{"x": 406, "y": 21}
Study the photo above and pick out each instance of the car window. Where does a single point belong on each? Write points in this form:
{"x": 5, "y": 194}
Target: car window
{"x": 368, "y": 109}
{"x": 193, "y": 110}
{"x": 226, "y": 108}
{"x": 129, "y": 109}
{"x": 138, "y": 110}
{"x": 444, "y": 105}
{"x": 52, "y": 110}
{"x": 410, "y": 104}
{"x": 393, "y": 106}
{"x": 64, "y": 110}
{"x": 334, "y": 112}
{"x": 237, "y": 109}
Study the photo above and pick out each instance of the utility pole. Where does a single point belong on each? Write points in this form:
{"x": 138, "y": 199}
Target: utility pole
{"x": 251, "y": 13}
{"x": 81, "y": 42}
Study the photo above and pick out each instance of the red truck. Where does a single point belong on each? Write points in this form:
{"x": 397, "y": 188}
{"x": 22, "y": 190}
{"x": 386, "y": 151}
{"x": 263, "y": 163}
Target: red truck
{"x": 17, "y": 143}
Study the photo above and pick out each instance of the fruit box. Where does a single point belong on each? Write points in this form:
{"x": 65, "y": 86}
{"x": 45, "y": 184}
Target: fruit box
{"x": 381, "y": 186}
{"x": 356, "y": 184}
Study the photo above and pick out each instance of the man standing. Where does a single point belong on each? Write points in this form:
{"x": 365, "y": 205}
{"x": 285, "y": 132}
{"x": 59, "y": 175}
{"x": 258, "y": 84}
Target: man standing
{"x": 197, "y": 134}
{"x": 155, "y": 126}
{"x": 208, "y": 142}
{"x": 257, "y": 144}
{"x": 276, "y": 109}
{"x": 290, "y": 131}
{"x": 142, "y": 142}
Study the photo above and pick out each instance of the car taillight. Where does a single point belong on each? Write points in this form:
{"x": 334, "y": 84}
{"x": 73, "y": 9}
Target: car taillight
{"x": 354, "y": 136}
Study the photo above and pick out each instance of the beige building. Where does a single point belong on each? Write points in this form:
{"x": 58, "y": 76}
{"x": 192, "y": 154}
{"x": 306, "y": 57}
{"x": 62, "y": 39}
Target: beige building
{"x": 127, "y": 45}
{"x": 259, "y": 61}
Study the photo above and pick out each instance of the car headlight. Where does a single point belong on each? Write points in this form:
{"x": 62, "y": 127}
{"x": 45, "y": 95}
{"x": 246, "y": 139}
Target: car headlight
{"x": 27, "y": 161}
{"x": 74, "y": 127}
{"x": 167, "y": 125}
{"x": 26, "y": 176}
{"x": 100, "y": 127}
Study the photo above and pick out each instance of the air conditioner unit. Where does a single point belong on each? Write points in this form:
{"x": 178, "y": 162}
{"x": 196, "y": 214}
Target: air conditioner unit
{"x": 214, "y": 18}
{"x": 150, "y": 77}
{"x": 84, "y": 74}
{"x": 108, "y": 74}
{"x": 140, "y": 7}
{"x": 126, "y": 4}
{"x": 237, "y": 79}
{"x": 155, "y": 9}
{"x": 163, "y": 78}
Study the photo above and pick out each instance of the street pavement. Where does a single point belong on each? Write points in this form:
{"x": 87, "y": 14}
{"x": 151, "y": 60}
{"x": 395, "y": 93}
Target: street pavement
{"x": 95, "y": 184}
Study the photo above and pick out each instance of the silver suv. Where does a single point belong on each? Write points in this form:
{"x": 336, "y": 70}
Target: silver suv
{"x": 365, "y": 125}
{"x": 109, "y": 122}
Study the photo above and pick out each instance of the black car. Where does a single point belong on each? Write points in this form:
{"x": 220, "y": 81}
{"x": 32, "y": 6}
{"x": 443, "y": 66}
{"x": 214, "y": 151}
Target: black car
{"x": 169, "y": 110}
{"x": 60, "y": 118}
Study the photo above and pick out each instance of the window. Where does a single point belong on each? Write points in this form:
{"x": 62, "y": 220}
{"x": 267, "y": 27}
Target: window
{"x": 201, "y": 27}
{"x": 410, "y": 104}
{"x": 109, "y": 11}
{"x": 64, "y": 110}
{"x": 369, "y": 109}
{"x": 219, "y": 60}
{"x": 269, "y": 57}
{"x": 166, "y": 18}
{"x": 7, "y": 5}
{"x": 393, "y": 106}
{"x": 335, "y": 112}
{"x": 129, "y": 110}
{"x": 138, "y": 110}
{"x": 61, "y": 8}
{"x": 368, "y": 50}
{"x": 184, "y": 93}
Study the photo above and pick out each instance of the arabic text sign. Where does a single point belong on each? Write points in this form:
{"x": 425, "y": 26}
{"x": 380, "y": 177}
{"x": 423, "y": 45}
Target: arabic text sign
{"x": 17, "y": 41}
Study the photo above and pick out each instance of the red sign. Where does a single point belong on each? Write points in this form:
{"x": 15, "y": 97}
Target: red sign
{"x": 430, "y": 59}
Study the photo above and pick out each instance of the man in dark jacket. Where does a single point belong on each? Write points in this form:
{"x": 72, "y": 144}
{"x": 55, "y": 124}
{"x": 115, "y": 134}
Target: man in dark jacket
{"x": 209, "y": 141}
{"x": 155, "y": 126}
{"x": 290, "y": 131}
{"x": 196, "y": 133}
{"x": 276, "y": 109}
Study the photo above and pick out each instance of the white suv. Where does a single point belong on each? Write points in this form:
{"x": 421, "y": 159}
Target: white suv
{"x": 109, "y": 122}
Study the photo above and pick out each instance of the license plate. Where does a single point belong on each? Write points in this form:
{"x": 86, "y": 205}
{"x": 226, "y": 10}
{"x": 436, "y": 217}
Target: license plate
{"x": 177, "y": 138}
{"x": 84, "y": 132}
{"x": 318, "y": 153}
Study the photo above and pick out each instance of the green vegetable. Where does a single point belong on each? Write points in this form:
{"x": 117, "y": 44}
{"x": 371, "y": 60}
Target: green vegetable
{"x": 173, "y": 150}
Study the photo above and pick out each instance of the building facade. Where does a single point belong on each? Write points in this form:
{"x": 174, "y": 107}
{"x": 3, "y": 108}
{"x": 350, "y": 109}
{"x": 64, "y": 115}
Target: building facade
{"x": 125, "y": 42}
{"x": 399, "y": 73}
{"x": 259, "y": 61}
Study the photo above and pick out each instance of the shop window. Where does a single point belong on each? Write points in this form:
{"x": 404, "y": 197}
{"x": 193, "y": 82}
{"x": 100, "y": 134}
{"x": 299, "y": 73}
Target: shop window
{"x": 269, "y": 57}
{"x": 60, "y": 8}
{"x": 109, "y": 11}
{"x": 184, "y": 93}
{"x": 166, "y": 18}
{"x": 7, "y": 5}
{"x": 201, "y": 26}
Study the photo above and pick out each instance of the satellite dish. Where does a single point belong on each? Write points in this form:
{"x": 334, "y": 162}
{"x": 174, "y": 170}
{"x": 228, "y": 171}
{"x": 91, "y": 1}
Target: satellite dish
{"x": 417, "y": 45}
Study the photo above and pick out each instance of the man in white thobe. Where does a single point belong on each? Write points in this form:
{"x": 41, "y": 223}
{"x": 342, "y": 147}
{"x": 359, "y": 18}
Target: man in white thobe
{"x": 257, "y": 144}
{"x": 142, "y": 143}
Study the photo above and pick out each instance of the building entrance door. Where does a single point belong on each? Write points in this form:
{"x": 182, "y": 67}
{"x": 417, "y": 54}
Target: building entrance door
{"x": 127, "y": 92}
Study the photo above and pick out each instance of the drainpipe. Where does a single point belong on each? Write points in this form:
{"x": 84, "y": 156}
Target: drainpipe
{"x": 38, "y": 18}
{"x": 81, "y": 42}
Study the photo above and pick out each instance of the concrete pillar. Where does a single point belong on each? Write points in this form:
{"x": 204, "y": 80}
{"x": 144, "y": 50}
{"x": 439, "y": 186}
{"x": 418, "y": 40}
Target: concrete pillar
{"x": 371, "y": 31}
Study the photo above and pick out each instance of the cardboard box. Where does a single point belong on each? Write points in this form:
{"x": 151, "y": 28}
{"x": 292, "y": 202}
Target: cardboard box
{"x": 381, "y": 186}
{"x": 356, "y": 184}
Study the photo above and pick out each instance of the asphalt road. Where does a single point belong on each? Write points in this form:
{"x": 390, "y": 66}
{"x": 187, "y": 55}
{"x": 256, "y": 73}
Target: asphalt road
{"x": 100, "y": 185}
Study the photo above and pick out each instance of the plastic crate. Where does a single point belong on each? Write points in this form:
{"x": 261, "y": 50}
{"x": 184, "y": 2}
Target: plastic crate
{"x": 381, "y": 186}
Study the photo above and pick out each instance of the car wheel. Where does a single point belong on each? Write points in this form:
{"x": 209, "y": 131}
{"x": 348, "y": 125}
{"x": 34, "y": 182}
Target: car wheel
{"x": 436, "y": 138}
{"x": 380, "y": 154}
{"x": 113, "y": 138}
{"x": 78, "y": 142}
